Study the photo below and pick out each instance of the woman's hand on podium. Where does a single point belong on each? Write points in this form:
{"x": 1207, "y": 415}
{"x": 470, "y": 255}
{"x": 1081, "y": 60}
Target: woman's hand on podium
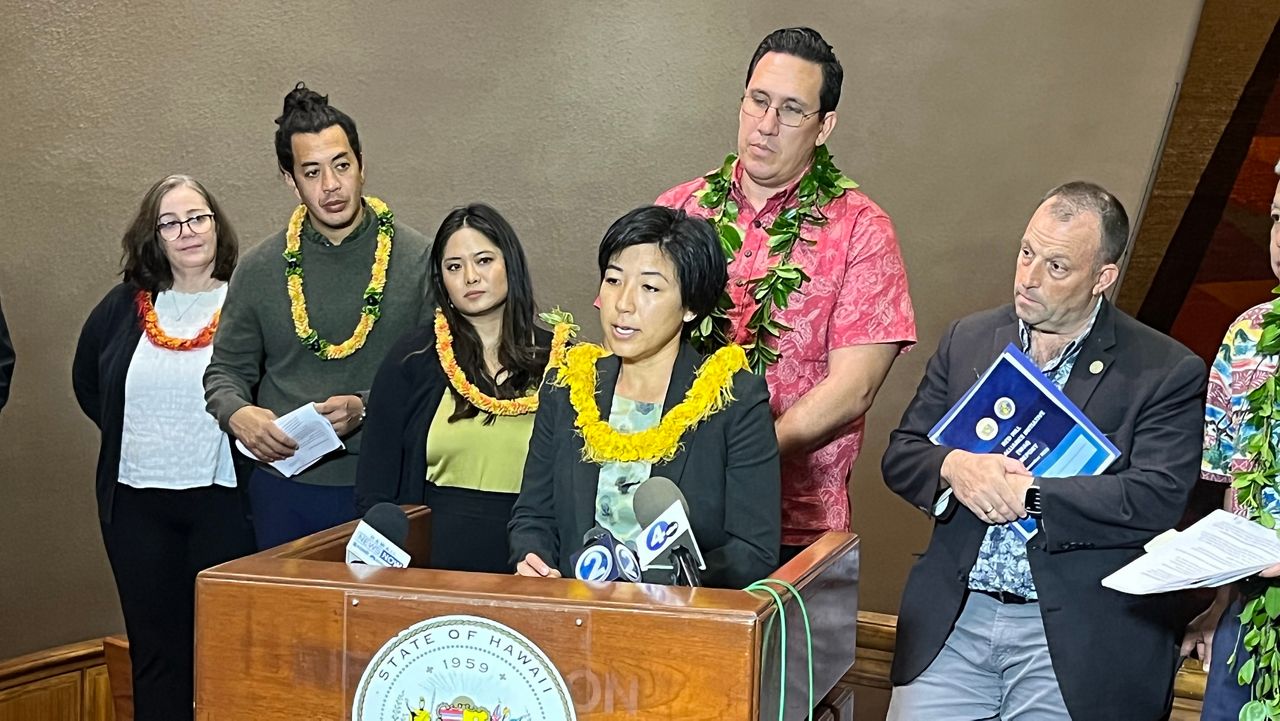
{"x": 534, "y": 566}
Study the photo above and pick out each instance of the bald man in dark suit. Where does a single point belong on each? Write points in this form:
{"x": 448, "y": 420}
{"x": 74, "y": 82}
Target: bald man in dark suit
{"x": 993, "y": 626}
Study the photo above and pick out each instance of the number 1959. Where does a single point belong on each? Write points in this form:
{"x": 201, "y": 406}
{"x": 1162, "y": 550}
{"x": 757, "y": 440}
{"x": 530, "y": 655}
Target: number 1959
{"x": 468, "y": 663}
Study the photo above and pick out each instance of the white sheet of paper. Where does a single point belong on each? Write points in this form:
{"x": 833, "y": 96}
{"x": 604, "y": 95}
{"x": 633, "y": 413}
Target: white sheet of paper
{"x": 313, "y": 434}
{"x": 1219, "y": 548}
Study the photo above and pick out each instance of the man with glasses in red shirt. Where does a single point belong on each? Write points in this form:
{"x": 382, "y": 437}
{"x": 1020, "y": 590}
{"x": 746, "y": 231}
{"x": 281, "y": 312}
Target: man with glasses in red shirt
{"x": 817, "y": 289}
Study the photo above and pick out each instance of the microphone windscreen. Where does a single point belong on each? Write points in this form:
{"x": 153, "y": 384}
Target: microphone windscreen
{"x": 389, "y": 520}
{"x": 653, "y": 497}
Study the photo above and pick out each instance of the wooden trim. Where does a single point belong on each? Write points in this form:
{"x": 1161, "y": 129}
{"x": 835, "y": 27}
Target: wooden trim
{"x": 50, "y": 662}
{"x": 877, "y": 632}
{"x": 57, "y": 681}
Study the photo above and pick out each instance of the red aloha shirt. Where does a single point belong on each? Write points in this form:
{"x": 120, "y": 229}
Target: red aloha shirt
{"x": 857, "y": 296}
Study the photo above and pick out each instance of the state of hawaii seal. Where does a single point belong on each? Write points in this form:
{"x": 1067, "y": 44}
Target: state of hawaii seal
{"x": 461, "y": 668}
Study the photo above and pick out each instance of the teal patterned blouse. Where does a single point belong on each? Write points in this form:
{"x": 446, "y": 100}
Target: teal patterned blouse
{"x": 618, "y": 481}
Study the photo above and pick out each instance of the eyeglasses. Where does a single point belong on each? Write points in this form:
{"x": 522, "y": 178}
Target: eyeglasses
{"x": 757, "y": 106}
{"x": 173, "y": 229}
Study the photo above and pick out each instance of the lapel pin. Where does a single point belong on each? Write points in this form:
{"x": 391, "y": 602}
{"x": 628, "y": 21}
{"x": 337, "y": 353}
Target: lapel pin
{"x": 1095, "y": 367}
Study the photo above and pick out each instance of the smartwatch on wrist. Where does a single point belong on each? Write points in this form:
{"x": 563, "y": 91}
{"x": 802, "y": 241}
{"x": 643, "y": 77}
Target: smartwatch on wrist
{"x": 364, "y": 403}
{"x": 1031, "y": 501}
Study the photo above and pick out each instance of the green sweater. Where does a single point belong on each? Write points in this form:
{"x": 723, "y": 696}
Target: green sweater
{"x": 256, "y": 343}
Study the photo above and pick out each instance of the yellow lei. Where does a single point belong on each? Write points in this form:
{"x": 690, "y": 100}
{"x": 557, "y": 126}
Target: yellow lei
{"x": 372, "y": 307}
{"x": 564, "y": 330}
{"x": 711, "y": 391}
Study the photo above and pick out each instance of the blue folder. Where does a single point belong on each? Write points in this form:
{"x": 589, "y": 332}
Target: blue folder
{"x": 1015, "y": 410}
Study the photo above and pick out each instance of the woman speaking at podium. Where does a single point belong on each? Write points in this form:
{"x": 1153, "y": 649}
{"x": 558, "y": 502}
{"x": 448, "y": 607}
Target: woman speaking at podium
{"x": 652, "y": 404}
{"x": 451, "y": 408}
{"x": 166, "y": 482}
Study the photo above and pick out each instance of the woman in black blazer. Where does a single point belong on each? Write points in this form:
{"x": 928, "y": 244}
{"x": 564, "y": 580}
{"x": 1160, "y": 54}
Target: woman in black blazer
{"x": 653, "y": 407}
{"x": 424, "y": 442}
{"x": 168, "y": 483}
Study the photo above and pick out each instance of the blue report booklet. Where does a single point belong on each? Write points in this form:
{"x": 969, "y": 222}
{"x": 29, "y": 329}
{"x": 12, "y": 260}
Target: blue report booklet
{"x": 1015, "y": 410}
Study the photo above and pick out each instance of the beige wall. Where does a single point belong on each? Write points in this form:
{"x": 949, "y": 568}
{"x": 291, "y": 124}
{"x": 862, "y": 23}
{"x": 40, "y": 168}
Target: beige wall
{"x": 563, "y": 115}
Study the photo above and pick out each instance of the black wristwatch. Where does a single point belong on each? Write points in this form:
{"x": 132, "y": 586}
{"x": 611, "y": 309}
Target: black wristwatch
{"x": 1031, "y": 501}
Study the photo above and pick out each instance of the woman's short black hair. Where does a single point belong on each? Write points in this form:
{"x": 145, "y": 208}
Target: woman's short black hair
{"x": 689, "y": 242}
{"x": 144, "y": 263}
{"x": 306, "y": 111}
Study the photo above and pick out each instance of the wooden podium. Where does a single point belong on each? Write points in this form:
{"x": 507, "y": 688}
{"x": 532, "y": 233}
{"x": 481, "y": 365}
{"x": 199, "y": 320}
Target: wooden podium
{"x": 287, "y": 634}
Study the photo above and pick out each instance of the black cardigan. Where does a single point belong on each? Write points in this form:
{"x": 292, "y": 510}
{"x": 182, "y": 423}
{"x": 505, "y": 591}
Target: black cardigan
{"x": 727, "y": 470}
{"x": 6, "y": 361}
{"x": 103, "y": 354}
{"x": 402, "y": 402}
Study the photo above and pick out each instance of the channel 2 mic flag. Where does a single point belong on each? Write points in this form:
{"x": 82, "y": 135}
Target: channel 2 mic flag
{"x": 606, "y": 559}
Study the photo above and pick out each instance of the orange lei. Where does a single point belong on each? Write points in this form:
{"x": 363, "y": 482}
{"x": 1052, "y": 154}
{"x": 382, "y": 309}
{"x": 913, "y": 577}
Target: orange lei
{"x": 157, "y": 336}
{"x": 564, "y": 330}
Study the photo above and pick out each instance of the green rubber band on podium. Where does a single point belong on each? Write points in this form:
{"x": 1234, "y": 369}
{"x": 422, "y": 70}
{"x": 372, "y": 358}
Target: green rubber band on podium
{"x": 782, "y": 666}
{"x": 764, "y": 585}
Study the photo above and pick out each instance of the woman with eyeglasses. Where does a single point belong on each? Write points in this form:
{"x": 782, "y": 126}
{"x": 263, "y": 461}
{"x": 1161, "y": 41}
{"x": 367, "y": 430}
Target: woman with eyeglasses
{"x": 167, "y": 489}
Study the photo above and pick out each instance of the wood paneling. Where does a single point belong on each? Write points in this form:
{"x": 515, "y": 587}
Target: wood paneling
{"x": 67, "y": 683}
{"x": 49, "y": 699}
{"x": 96, "y": 695}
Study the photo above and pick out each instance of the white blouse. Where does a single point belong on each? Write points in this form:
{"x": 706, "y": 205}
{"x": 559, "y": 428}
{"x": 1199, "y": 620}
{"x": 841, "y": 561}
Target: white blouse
{"x": 169, "y": 440}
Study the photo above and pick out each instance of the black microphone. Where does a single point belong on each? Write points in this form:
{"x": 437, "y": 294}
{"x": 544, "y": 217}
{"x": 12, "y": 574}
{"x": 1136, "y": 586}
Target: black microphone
{"x": 684, "y": 571}
{"x": 380, "y": 537}
{"x": 666, "y": 537}
{"x": 604, "y": 558}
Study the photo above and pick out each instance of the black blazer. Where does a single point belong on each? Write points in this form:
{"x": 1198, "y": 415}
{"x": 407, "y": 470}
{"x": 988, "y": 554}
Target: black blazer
{"x": 6, "y": 361}
{"x": 1115, "y": 655}
{"x": 727, "y": 470}
{"x": 103, "y": 354}
{"x": 402, "y": 401}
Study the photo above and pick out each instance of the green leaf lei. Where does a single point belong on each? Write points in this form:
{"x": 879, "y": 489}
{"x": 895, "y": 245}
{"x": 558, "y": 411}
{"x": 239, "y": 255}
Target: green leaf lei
{"x": 1258, "y": 620}
{"x": 820, "y": 185}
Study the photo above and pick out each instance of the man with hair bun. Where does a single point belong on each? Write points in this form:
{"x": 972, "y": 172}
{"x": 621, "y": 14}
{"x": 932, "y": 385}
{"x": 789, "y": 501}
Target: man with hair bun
{"x": 310, "y": 314}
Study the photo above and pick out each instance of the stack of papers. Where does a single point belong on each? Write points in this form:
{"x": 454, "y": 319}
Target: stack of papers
{"x": 311, "y": 431}
{"x": 1218, "y": 549}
